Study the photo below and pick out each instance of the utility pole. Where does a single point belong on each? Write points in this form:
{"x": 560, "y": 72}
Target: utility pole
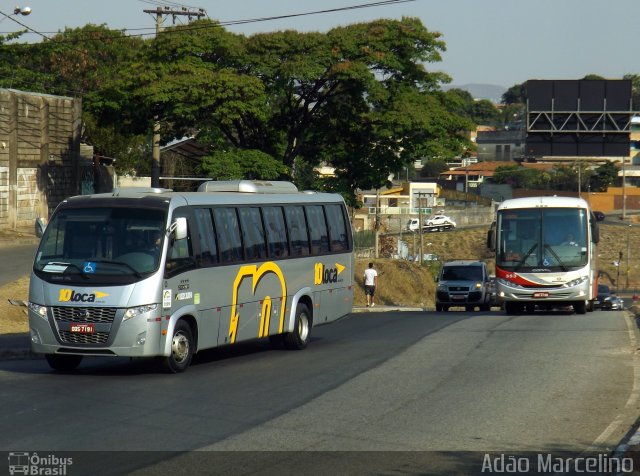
{"x": 160, "y": 13}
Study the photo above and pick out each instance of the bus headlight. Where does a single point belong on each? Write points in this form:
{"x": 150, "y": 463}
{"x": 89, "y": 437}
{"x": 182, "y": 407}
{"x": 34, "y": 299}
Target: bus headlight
{"x": 575, "y": 282}
{"x": 138, "y": 310}
{"x": 39, "y": 310}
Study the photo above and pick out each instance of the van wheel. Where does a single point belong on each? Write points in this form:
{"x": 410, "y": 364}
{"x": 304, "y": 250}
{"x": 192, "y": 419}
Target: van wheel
{"x": 182, "y": 347}
{"x": 63, "y": 363}
{"x": 438, "y": 307}
{"x": 299, "y": 338}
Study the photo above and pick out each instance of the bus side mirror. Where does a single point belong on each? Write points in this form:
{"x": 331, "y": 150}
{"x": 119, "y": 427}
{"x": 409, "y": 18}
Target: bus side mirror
{"x": 491, "y": 240}
{"x": 40, "y": 226}
{"x": 595, "y": 232}
{"x": 179, "y": 228}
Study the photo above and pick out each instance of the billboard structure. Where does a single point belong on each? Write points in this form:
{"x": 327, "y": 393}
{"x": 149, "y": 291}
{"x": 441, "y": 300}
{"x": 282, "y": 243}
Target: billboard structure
{"x": 578, "y": 118}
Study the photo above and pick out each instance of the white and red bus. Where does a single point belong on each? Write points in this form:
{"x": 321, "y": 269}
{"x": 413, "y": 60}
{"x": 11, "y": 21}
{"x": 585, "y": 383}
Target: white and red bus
{"x": 546, "y": 253}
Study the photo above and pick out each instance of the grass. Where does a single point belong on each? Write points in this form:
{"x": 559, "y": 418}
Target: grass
{"x": 403, "y": 283}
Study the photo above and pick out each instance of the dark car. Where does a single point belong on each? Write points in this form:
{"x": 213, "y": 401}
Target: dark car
{"x": 599, "y": 216}
{"x": 603, "y": 300}
{"x": 463, "y": 283}
{"x": 617, "y": 303}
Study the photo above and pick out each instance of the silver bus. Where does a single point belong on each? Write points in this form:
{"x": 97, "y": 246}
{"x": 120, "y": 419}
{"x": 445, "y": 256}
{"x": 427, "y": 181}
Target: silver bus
{"x": 151, "y": 272}
{"x": 546, "y": 254}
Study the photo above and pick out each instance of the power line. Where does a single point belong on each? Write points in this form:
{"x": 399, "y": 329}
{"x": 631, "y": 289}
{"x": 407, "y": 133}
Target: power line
{"x": 250, "y": 20}
{"x": 24, "y": 26}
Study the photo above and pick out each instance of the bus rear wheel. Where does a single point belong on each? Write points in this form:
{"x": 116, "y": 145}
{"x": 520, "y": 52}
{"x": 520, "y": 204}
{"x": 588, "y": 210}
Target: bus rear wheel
{"x": 182, "y": 346}
{"x": 299, "y": 338}
{"x": 63, "y": 363}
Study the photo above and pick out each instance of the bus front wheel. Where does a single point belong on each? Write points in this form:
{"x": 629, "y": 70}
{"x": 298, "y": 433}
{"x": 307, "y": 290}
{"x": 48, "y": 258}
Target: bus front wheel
{"x": 181, "y": 348}
{"x": 298, "y": 339}
{"x": 63, "y": 363}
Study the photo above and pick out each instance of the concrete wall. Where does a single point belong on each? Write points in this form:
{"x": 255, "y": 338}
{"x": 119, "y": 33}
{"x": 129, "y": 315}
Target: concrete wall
{"x": 39, "y": 153}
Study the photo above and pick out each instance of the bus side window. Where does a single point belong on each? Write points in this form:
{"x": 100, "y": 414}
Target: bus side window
{"x": 208, "y": 255}
{"x": 297, "y": 226}
{"x": 337, "y": 228}
{"x": 228, "y": 234}
{"x": 276, "y": 232}
{"x": 252, "y": 233}
{"x": 317, "y": 229}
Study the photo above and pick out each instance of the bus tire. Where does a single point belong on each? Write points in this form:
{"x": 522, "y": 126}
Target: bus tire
{"x": 63, "y": 363}
{"x": 580, "y": 307}
{"x": 299, "y": 338}
{"x": 512, "y": 308}
{"x": 182, "y": 346}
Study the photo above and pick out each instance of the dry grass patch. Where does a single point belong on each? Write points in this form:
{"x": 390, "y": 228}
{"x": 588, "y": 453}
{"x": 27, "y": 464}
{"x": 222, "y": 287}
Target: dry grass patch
{"x": 13, "y": 319}
{"x": 400, "y": 283}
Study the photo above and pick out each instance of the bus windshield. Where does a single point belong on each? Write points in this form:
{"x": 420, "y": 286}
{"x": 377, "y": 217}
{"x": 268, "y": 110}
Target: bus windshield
{"x": 101, "y": 245}
{"x": 542, "y": 239}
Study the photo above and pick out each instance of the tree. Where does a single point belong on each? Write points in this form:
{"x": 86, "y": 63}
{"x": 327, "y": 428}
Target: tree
{"x": 603, "y": 177}
{"x": 242, "y": 164}
{"x": 433, "y": 167}
{"x": 516, "y": 94}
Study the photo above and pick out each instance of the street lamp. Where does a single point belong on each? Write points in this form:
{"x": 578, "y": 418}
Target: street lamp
{"x": 628, "y": 254}
{"x": 24, "y": 11}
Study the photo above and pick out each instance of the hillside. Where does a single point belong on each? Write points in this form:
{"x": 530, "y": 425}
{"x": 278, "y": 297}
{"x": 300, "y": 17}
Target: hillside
{"x": 409, "y": 284}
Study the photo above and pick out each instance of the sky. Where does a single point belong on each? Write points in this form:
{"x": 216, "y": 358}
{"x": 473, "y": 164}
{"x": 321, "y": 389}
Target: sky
{"x": 497, "y": 42}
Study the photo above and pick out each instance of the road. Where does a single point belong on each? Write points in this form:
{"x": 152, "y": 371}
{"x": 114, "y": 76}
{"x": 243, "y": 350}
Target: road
{"x": 16, "y": 261}
{"x": 376, "y": 392}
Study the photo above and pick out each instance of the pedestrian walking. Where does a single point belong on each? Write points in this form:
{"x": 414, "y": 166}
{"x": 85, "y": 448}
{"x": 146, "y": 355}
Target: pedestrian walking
{"x": 370, "y": 283}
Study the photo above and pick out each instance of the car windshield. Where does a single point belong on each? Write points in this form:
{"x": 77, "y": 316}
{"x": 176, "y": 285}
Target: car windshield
{"x": 462, "y": 273}
{"x": 101, "y": 245}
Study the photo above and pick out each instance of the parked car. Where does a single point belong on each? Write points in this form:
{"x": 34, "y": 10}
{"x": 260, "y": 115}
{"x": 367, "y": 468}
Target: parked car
{"x": 437, "y": 220}
{"x": 463, "y": 283}
{"x": 603, "y": 300}
{"x": 617, "y": 303}
{"x": 599, "y": 215}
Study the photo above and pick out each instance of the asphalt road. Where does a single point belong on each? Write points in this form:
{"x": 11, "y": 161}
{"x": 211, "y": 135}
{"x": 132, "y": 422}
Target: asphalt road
{"x": 376, "y": 392}
{"x": 16, "y": 261}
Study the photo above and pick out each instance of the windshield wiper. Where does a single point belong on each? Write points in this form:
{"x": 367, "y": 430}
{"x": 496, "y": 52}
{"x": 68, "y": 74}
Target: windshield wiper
{"x": 555, "y": 255}
{"x": 524, "y": 258}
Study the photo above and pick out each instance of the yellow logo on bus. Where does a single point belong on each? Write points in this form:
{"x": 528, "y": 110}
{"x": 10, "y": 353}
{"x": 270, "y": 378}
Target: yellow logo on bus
{"x": 257, "y": 273}
{"x": 324, "y": 275}
{"x": 67, "y": 295}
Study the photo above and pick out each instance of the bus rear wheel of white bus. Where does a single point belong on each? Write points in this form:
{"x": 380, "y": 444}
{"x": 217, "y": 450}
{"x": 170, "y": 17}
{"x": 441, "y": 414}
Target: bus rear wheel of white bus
{"x": 299, "y": 338}
{"x": 63, "y": 363}
{"x": 181, "y": 348}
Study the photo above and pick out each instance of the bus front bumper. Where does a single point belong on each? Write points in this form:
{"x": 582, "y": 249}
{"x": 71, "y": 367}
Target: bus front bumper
{"x": 579, "y": 292}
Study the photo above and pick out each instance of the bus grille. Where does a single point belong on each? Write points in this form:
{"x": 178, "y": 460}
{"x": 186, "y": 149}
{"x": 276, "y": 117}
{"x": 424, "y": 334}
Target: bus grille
{"x": 95, "y": 315}
{"x": 77, "y": 338}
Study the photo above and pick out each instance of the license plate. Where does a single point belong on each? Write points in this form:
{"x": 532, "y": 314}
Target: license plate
{"x": 541, "y": 294}
{"x": 457, "y": 298}
{"x": 83, "y": 328}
